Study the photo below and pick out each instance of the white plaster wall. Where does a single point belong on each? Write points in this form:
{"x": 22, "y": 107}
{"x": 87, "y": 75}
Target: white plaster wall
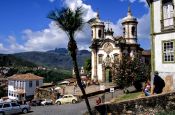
{"x": 164, "y": 74}
{"x": 92, "y": 64}
{"x": 159, "y": 66}
{"x": 109, "y": 37}
{"x": 100, "y": 72}
{"x": 95, "y": 32}
{"x": 30, "y": 90}
{"x": 157, "y": 16}
{"x": 99, "y": 66}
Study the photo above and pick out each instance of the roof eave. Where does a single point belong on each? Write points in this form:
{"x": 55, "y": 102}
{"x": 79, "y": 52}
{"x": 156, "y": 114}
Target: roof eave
{"x": 149, "y": 2}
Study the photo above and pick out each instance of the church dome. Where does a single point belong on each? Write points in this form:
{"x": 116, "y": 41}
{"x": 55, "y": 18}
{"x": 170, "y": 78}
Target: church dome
{"x": 97, "y": 21}
{"x": 129, "y": 17}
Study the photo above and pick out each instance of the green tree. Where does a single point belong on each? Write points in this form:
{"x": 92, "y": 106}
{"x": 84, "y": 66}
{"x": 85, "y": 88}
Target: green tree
{"x": 122, "y": 72}
{"x": 71, "y": 22}
{"x": 131, "y": 72}
{"x": 87, "y": 66}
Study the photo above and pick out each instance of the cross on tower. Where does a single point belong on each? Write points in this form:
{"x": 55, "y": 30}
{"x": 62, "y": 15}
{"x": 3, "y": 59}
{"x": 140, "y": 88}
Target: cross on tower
{"x": 108, "y": 24}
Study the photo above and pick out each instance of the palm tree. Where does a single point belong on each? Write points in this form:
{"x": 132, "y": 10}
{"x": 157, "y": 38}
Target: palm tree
{"x": 71, "y": 22}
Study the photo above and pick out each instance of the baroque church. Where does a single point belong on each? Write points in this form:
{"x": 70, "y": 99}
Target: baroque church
{"x": 107, "y": 48}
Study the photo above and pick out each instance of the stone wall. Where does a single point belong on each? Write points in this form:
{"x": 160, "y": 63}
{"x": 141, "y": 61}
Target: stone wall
{"x": 147, "y": 105}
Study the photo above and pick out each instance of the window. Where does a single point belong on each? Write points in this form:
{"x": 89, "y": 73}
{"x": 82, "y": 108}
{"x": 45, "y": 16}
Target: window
{"x": 99, "y": 33}
{"x": 14, "y": 104}
{"x": 100, "y": 58}
{"x": 168, "y": 51}
{"x": 37, "y": 83}
{"x": 0, "y": 105}
{"x": 116, "y": 58}
{"x": 133, "y": 30}
{"x": 11, "y": 83}
{"x": 168, "y": 14}
{"x": 124, "y": 32}
{"x": 6, "y": 105}
{"x": 30, "y": 83}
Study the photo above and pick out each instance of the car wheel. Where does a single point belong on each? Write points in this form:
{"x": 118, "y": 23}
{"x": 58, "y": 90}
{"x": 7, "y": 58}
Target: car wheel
{"x": 25, "y": 110}
{"x": 58, "y": 102}
{"x": 74, "y": 101}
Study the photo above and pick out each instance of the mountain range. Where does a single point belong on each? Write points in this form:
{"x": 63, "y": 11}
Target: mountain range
{"x": 59, "y": 58}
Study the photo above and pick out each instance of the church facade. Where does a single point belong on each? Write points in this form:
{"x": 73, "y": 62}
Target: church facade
{"x": 107, "y": 49}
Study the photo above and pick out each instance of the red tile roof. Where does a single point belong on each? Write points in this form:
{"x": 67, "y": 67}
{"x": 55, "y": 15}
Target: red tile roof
{"x": 27, "y": 76}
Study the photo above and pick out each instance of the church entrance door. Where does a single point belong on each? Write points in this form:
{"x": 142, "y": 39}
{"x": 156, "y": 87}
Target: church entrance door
{"x": 108, "y": 75}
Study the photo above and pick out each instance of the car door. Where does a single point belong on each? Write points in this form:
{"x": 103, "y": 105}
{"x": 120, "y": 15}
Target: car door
{"x": 70, "y": 99}
{"x": 65, "y": 99}
{"x": 7, "y": 108}
{"x": 16, "y": 107}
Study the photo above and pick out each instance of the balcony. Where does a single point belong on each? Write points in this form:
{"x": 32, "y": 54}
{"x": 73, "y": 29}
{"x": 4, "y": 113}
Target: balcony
{"x": 168, "y": 24}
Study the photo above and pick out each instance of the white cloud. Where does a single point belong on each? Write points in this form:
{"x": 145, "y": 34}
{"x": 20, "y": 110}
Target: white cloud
{"x": 89, "y": 12}
{"x": 53, "y": 37}
{"x": 144, "y": 26}
{"x": 51, "y": 0}
{"x": 3, "y": 49}
{"x": 141, "y": 1}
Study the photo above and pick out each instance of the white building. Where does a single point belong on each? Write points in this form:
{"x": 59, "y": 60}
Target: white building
{"x": 106, "y": 48}
{"x": 163, "y": 39}
{"x": 22, "y": 86}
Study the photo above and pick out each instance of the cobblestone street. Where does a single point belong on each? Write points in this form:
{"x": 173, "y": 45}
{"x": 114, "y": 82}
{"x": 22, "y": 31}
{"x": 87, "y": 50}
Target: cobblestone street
{"x": 70, "y": 109}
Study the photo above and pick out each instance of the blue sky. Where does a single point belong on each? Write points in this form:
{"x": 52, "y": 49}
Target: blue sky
{"x": 24, "y": 25}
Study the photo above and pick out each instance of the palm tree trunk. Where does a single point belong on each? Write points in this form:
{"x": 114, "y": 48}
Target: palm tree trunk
{"x": 72, "y": 47}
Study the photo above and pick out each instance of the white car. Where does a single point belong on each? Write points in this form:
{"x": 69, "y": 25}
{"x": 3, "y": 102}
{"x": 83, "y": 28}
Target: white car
{"x": 67, "y": 99}
{"x": 47, "y": 102}
{"x": 8, "y": 108}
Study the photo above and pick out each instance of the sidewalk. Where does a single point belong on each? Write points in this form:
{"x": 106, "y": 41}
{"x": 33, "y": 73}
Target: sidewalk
{"x": 88, "y": 89}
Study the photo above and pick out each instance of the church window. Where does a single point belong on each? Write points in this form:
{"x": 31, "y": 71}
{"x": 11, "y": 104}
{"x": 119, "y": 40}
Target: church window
{"x": 99, "y": 33}
{"x": 133, "y": 30}
{"x": 168, "y": 51}
{"x": 100, "y": 58}
{"x": 116, "y": 58}
{"x": 108, "y": 47}
{"x": 124, "y": 31}
{"x": 168, "y": 14}
{"x": 92, "y": 33}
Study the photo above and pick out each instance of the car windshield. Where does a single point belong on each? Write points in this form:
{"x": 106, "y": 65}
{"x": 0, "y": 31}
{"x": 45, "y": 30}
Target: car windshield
{"x": 0, "y": 105}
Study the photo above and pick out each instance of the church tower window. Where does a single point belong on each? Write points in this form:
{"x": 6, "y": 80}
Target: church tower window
{"x": 133, "y": 30}
{"x": 124, "y": 32}
{"x": 99, "y": 33}
{"x": 92, "y": 33}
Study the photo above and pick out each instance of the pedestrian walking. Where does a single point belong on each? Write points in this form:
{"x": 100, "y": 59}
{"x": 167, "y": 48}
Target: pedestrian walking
{"x": 158, "y": 84}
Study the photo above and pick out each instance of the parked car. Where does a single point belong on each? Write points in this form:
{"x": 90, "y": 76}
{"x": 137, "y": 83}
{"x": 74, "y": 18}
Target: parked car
{"x": 47, "y": 102}
{"x": 7, "y": 108}
{"x": 67, "y": 99}
{"x": 36, "y": 102}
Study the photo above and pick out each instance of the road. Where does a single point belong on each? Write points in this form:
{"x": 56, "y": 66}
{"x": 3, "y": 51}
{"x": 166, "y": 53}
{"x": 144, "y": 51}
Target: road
{"x": 69, "y": 109}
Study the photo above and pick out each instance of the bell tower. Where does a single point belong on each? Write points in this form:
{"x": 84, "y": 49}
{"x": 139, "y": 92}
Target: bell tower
{"x": 97, "y": 27}
{"x": 129, "y": 24}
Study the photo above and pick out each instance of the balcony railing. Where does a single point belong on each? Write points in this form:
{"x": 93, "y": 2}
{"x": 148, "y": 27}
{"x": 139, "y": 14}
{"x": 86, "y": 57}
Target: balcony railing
{"x": 168, "y": 24}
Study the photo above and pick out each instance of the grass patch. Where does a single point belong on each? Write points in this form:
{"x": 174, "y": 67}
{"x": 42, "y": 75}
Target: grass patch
{"x": 166, "y": 113}
{"x": 128, "y": 96}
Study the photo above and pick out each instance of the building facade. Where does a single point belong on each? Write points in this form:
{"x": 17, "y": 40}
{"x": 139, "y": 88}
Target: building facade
{"x": 22, "y": 86}
{"x": 107, "y": 49}
{"x": 163, "y": 39}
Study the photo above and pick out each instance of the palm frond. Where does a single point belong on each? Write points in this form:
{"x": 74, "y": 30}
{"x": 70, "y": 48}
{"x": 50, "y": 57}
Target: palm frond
{"x": 68, "y": 20}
